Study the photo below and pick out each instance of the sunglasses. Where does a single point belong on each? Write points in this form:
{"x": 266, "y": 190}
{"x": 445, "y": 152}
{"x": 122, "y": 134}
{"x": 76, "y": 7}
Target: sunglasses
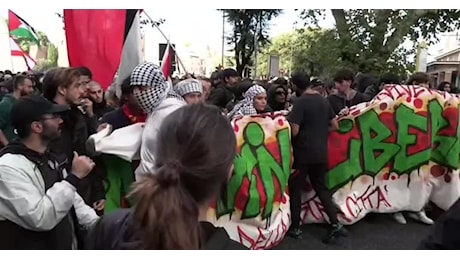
{"x": 281, "y": 93}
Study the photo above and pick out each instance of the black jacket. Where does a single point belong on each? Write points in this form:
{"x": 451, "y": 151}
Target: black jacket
{"x": 338, "y": 101}
{"x": 116, "y": 231}
{"x": 445, "y": 232}
{"x": 15, "y": 237}
{"x": 75, "y": 131}
{"x": 100, "y": 109}
{"x": 221, "y": 96}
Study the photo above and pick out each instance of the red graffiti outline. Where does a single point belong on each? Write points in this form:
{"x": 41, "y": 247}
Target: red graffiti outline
{"x": 364, "y": 197}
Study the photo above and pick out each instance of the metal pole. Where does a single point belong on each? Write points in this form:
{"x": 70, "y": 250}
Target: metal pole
{"x": 223, "y": 37}
{"x": 255, "y": 50}
{"x": 167, "y": 40}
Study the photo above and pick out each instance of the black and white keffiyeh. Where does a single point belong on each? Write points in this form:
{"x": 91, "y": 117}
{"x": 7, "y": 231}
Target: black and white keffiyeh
{"x": 188, "y": 86}
{"x": 246, "y": 106}
{"x": 150, "y": 75}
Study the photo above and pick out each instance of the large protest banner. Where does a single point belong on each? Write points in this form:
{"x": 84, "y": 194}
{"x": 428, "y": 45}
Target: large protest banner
{"x": 255, "y": 207}
{"x": 394, "y": 153}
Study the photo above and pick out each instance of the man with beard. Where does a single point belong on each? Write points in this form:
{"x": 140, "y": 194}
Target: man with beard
{"x": 22, "y": 86}
{"x": 96, "y": 95}
{"x": 65, "y": 86}
{"x": 39, "y": 206}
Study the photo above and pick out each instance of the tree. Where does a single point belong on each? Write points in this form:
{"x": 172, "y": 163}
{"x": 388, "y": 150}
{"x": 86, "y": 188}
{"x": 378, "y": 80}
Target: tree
{"x": 53, "y": 55}
{"x": 250, "y": 27}
{"x": 312, "y": 50}
{"x": 43, "y": 65}
{"x": 281, "y": 45}
{"x": 43, "y": 39}
{"x": 370, "y": 40}
{"x": 25, "y": 43}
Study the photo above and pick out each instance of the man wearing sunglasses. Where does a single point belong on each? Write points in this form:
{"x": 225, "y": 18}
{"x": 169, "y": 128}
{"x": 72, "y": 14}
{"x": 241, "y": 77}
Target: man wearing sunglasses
{"x": 39, "y": 204}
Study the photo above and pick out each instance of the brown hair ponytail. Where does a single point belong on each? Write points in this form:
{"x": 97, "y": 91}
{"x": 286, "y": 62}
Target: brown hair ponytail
{"x": 166, "y": 213}
{"x": 191, "y": 167}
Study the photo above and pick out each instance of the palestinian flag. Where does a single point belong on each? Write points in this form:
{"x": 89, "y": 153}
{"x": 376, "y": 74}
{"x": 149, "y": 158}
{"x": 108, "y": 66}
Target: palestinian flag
{"x": 102, "y": 39}
{"x": 166, "y": 64}
{"x": 17, "y": 51}
{"x": 132, "y": 48}
{"x": 19, "y": 28}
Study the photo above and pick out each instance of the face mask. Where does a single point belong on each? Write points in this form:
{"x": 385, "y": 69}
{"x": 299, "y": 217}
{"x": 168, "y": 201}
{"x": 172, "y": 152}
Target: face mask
{"x": 148, "y": 100}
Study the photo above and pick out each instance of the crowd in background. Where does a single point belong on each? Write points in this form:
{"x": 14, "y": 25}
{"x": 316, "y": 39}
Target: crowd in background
{"x": 54, "y": 188}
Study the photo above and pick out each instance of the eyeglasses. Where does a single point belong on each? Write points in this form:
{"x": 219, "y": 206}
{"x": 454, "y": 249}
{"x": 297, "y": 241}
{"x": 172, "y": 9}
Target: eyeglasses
{"x": 54, "y": 116}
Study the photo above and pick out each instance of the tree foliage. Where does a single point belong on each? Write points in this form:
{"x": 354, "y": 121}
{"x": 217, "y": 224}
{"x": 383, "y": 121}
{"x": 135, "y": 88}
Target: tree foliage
{"x": 370, "y": 40}
{"x": 43, "y": 65}
{"x": 249, "y": 27}
{"x": 312, "y": 50}
{"x": 281, "y": 45}
{"x": 53, "y": 54}
{"x": 25, "y": 43}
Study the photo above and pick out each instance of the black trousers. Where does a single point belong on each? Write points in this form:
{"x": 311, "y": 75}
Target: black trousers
{"x": 317, "y": 173}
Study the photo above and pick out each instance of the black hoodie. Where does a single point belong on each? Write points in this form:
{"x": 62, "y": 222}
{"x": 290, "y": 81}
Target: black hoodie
{"x": 338, "y": 101}
{"x": 271, "y": 98}
{"x": 116, "y": 231}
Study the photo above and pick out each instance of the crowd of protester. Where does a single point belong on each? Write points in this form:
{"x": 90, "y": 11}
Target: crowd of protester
{"x": 56, "y": 194}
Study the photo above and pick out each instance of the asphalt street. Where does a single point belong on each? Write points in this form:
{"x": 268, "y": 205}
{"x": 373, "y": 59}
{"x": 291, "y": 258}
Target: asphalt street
{"x": 375, "y": 231}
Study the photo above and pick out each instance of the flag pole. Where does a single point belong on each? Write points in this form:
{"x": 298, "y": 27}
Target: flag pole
{"x": 167, "y": 39}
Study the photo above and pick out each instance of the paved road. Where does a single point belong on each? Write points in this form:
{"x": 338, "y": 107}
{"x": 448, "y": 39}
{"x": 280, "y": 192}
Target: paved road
{"x": 376, "y": 231}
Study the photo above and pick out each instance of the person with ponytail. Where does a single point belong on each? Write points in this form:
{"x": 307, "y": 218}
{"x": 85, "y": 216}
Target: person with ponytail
{"x": 171, "y": 203}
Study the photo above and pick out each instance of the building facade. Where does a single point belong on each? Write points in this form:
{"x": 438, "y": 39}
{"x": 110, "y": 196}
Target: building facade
{"x": 445, "y": 68}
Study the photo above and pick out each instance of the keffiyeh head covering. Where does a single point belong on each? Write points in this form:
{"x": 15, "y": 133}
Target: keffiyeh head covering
{"x": 149, "y": 74}
{"x": 246, "y": 106}
{"x": 188, "y": 86}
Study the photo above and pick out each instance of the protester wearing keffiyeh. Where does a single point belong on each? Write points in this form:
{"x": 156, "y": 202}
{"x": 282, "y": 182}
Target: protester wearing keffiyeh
{"x": 246, "y": 106}
{"x": 157, "y": 98}
{"x": 190, "y": 90}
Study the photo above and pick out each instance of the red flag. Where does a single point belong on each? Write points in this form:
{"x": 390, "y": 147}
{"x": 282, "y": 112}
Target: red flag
{"x": 166, "y": 62}
{"x": 95, "y": 39}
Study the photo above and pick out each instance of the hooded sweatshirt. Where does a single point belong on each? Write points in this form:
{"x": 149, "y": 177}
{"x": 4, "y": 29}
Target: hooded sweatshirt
{"x": 271, "y": 98}
{"x": 338, "y": 101}
{"x": 149, "y": 136}
{"x": 158, "y": 102}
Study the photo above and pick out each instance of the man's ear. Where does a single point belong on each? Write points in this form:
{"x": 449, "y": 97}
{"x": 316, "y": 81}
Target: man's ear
{"x": 36, "y": 127}
{"x": 61, "y": 91}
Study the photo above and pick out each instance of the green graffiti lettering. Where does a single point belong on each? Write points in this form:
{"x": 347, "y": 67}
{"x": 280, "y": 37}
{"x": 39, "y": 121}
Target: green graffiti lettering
{"x": 406, "y": 117}
{"x": 454, "y": 151}
{"x": 369, "y": 122}
{"x": 441, "y": 144}
{"x": 257, "y": 164}
{"x": 376, "y": 152}
{"x": 347, "y": 170}
{"x": 268, "y": 165}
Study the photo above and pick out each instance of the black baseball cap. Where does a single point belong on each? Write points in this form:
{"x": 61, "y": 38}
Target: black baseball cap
{"x": 31, "y": 108}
